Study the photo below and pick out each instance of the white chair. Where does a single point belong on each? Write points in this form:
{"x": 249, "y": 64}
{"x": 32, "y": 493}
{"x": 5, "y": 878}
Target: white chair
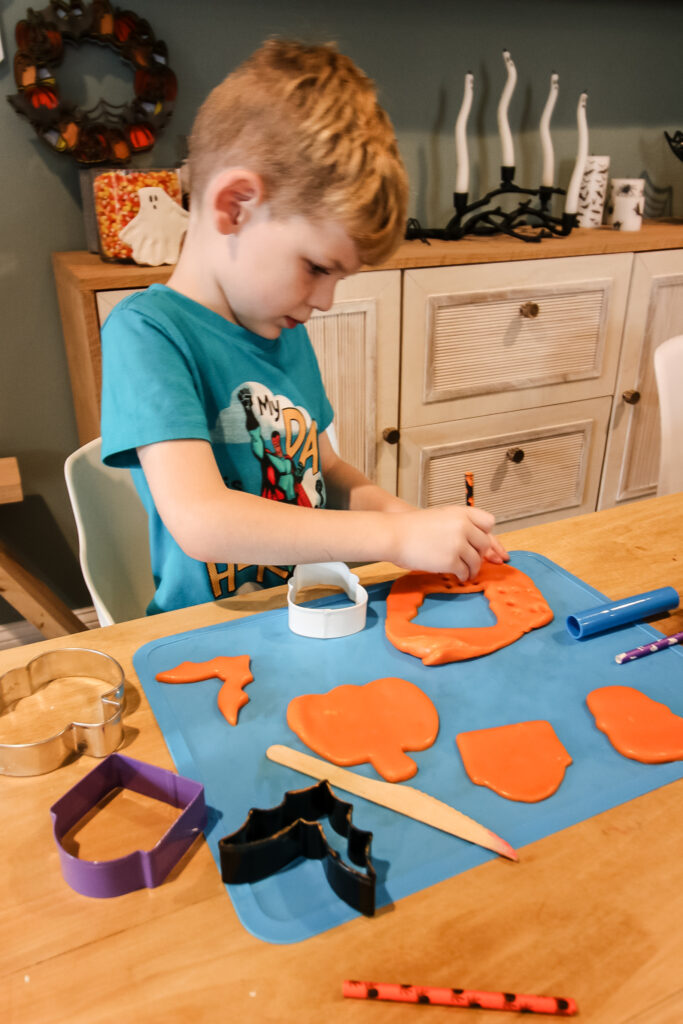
{"x": 332, "y": 435}
{"x": 112, "y": 534}
{"x": 669, "y": 376}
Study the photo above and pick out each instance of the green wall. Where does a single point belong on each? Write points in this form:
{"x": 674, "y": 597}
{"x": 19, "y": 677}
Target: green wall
{"x": 625, "y": 53}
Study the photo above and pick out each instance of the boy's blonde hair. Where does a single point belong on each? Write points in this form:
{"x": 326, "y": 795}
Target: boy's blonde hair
{"x": 307, "y": 120}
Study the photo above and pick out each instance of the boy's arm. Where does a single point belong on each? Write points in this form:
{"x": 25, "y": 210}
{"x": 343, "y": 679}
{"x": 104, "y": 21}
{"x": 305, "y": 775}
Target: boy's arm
{"x": 348, "y": 488}
{"x": 213, "y": 523}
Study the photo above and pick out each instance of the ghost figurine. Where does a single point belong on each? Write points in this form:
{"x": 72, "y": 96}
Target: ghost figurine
{"x": 156, "y": 232}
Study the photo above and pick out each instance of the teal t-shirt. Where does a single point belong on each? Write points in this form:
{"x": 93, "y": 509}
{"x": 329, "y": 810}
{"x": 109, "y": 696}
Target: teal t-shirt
{"x": 172, "y": 369}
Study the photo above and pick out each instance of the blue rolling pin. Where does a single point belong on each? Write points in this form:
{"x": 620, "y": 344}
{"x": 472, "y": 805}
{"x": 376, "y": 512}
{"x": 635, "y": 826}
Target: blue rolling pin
{"x": 621, "y": 613}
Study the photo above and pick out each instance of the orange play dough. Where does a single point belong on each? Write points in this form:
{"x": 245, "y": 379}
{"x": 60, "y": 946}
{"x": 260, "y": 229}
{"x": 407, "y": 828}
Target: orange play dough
{"x": 637, "y": 726}
{"x": 513, "y": 598}
{"x": 233, "y": 671}
{"x": 376, "y": 722}
{"x": 524, "y": 761}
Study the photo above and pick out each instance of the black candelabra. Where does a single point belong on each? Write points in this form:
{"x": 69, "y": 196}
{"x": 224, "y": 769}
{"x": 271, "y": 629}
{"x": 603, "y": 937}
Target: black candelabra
{"x": 526, "y": 221}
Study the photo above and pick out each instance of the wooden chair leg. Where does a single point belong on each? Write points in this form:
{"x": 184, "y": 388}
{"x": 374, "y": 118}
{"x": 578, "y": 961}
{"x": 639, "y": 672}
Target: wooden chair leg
{"x": 34, "y": 600}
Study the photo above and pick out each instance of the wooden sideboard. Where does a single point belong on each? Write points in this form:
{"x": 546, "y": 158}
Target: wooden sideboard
{"x": 528, "y": 363}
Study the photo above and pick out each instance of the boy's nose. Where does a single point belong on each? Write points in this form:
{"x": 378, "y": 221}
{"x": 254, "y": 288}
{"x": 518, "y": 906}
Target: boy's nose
{"x": 323, "y": 296}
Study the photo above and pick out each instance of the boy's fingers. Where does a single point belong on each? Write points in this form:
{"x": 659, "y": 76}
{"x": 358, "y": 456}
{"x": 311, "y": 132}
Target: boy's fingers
{"x": 460, "y": 571}
{"x": 479, "y": 539}
{"x": 468, "y": 564}
{"x": 499, "y": 550}
{"x": 481, "y": 518}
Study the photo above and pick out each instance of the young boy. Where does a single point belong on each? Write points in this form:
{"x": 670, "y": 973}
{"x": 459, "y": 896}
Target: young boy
{"x": 211, "y": 392}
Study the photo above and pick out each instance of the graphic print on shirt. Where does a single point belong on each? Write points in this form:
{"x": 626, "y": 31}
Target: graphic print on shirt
{"x": 284, "y": 465}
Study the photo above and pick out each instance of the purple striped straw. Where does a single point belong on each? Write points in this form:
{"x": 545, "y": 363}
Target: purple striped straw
{"x": 656, "y": 645}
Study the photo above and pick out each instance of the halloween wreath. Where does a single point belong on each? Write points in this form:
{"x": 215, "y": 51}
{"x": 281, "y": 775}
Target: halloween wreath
{"x": 105, "y": 133}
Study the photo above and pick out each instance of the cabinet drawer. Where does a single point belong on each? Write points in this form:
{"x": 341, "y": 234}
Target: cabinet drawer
{"x": 483, "y": 338}
{"x": 529, "y": 467}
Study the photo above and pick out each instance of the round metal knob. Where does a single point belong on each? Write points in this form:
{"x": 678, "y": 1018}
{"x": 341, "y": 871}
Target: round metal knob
{"x": 529, "y": 310}
{"x": 631, "y": 397}
{"x": 391, "y": 435}
{"x": 515, "y": 454}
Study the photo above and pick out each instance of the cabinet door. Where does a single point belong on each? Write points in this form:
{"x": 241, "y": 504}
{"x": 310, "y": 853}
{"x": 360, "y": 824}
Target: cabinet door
{"x": 490, "y": 338}
{"x": 655, "y": 313}
{"x": 529, "y": 467}
{"x": 357, "y": 343}
{"x": 106, "y": 300}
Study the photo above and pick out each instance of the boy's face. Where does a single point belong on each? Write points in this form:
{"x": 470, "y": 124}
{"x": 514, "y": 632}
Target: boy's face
{"x": 275, "y": 273}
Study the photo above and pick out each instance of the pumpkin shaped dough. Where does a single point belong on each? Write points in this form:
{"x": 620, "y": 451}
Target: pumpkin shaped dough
{"x": 375, "y": 723}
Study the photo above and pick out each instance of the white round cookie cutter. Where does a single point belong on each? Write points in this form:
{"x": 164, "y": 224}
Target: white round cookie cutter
{"x": 325, "y": 623}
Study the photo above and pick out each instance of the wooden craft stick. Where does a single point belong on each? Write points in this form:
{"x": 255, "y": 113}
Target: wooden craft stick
{"x": 428, "y": 995}
{"x": 403, "y": 799}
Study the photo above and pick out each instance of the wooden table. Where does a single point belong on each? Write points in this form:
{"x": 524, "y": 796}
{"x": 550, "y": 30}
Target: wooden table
{"x": 594, "y": 912}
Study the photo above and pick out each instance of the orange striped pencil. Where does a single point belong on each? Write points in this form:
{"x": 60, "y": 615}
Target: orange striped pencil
{"x": 428, "y": 995}
{"x": 469, "y": 489}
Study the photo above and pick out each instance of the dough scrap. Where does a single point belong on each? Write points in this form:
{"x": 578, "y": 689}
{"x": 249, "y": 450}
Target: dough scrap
{"x": 234, "y": 671}
{"x": 514, "y": 599}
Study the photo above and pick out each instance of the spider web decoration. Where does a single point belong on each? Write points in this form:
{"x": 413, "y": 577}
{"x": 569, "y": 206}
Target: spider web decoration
{"x": 658, "y": 199}
{"x": 675, "y": 143}
{"x": 107, "y": 132}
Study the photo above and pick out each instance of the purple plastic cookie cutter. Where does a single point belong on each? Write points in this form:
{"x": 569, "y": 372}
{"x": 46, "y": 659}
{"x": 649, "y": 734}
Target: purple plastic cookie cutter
{"x": 143, "y": 868}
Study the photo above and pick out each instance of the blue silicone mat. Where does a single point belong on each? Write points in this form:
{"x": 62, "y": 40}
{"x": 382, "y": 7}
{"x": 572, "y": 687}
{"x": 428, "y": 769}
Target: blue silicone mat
{"x": 544, "y": 675}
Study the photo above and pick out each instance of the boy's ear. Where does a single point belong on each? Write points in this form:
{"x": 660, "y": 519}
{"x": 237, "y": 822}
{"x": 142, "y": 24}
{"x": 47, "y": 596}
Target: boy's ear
{"x": 235, "y": 192}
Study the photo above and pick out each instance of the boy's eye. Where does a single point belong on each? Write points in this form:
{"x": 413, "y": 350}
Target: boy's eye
{"x": 315, "y": 268}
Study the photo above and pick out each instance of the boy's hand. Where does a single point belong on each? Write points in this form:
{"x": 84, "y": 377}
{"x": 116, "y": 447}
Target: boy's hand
{"x": 446, "y": 539}
{"x": 496, "y": 553}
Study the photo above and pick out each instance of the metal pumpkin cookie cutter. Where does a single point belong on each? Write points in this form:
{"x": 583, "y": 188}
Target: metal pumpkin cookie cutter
{"x": 325, "y": 623}
{"x": 142, "y": 868}
{"x": 94, "y": 738}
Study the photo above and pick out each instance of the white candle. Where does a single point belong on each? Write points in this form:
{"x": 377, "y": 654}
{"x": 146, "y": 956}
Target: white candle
{"x": 462, "y": 174}
{"x": 503, "y": 126}
{"x": 548, "y": 171}
{"x": 572, "y": 201}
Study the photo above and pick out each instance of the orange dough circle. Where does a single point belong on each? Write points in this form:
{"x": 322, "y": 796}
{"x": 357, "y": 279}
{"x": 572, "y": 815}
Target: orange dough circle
{"x": 513, "y": 598}
{"x": 524, "y": 761}
{"x": 234, "y": 671}
{"x": 637, "y": 726}
{"x": 376, "y": 722}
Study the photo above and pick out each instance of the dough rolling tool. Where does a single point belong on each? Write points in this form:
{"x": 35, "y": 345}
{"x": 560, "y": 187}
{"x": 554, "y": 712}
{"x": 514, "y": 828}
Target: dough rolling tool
{"x": 404, "y": 799}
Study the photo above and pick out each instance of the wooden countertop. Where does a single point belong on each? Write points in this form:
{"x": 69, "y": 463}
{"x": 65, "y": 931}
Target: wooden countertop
{"x": 502, "y": 249}
{"x": 90, "y": 273}
{"x": 594, "y": 912}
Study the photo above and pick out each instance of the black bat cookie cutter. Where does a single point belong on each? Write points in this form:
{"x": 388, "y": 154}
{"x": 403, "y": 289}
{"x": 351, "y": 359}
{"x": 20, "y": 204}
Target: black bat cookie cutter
{"x": 272, "y": 838}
